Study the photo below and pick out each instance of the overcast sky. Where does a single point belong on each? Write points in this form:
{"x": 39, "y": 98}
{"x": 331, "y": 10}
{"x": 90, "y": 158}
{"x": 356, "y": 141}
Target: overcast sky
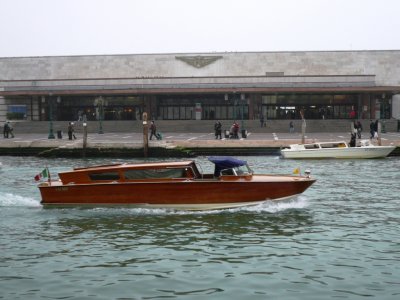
{"x": 86, "y": 27}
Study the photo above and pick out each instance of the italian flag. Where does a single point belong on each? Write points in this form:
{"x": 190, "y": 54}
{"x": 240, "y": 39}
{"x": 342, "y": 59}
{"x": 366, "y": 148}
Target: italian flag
{"x": 43, "y": 174}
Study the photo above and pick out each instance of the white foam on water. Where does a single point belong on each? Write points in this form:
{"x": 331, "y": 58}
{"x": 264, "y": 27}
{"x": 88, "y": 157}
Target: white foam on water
{"x": 8, "y": 199}
{"x": 277, "y": 206}
{"x": 267, "y": 206}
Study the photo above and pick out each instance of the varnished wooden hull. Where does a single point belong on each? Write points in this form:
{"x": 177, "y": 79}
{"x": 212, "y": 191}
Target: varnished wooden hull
{"x": 182, "y": 194}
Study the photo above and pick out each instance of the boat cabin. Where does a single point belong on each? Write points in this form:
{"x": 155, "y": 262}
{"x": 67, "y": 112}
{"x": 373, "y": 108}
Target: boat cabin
{"x": 177, "y": 171}
{"x": 323, "y": 145}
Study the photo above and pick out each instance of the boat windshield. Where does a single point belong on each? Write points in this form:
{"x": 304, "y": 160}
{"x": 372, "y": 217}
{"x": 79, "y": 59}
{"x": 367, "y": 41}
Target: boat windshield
{"x": 237, "y": 171}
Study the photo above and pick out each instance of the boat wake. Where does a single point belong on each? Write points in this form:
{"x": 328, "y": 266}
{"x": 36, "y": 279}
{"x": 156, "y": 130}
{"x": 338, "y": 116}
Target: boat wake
{"x": 276, "y": 206}
{"x": 12, "y": 200}
{"x": 267, "y": 206}
{"x": 8, "y": 199}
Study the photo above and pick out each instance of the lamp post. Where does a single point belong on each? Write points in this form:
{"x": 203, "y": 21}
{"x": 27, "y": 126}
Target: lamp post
{"x": 99, "y": 102}
{"x": 242, "y": 98}
{"x": 51, "y": 133}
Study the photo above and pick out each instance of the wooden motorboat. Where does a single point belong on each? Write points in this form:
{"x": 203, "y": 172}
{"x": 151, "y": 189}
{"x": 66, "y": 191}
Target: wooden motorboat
{"x": 174, "y": 185}
{"x": 341, "y": 149}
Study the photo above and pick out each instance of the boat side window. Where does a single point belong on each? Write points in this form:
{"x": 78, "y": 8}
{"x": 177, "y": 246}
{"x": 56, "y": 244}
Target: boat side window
{"x": 154, "y": 174}
{"x": 228, "y": 172}
{"x": 329, "y": 145}
{"x": 311, "y": 146}
{"x": 104, "y": 176}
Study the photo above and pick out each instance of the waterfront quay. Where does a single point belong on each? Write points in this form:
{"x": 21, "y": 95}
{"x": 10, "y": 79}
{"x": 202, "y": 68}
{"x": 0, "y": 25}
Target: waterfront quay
{"x": 173, "y": 144}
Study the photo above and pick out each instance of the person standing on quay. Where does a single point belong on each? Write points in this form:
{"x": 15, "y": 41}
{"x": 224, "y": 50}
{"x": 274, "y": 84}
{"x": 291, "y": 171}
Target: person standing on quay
{"x": 218, "y": 130}
{"x": 372, "y": 129}
{"x": 359, "y": 129}
{"x": 5, "y": 130}
{"x": 153, "y": 130}
{"x": 71, "y": 131}
{"x": 8, "y": 130}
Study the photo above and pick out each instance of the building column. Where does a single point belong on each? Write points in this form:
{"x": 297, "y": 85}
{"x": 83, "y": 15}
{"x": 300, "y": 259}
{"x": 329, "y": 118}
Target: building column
{"x": 365, "y": 106}
{"x": 151, "y": 103}
{"x": 254, "y": 106}
{"x": 3, "y": 109}
{"x": 34, "y": 109}
{"x": 396, "y": 106}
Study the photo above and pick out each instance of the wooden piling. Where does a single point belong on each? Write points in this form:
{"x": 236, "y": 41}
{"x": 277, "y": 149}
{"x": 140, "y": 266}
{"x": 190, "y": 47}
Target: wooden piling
{"x": 303, "y": 127}
{"x": 379, "y": 133}
{"x": 145, "y": 135}
{"x": 84, "y": 142}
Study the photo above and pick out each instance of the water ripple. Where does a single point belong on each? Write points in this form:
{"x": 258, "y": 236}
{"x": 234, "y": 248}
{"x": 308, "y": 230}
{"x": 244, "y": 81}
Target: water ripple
{"x": 337, "y": 240}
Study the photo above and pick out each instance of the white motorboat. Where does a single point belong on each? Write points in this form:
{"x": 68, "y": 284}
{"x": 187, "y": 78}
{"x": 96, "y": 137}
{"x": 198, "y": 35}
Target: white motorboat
{"x": 341, "y": 149}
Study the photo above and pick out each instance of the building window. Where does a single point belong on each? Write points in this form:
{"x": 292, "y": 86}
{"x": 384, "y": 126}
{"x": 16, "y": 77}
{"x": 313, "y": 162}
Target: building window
{"x": 16, "y": 112}
{"x": 315, "y": 106}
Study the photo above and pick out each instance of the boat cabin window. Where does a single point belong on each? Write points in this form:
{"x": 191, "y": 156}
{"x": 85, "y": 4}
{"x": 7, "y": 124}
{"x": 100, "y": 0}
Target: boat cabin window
{"x": 311, "y": 146}
{"x": 154, "y": 173}
{"x": 228, "y": 172}
{"x": 104, "y": 176}
{"x": 333, "y": 145}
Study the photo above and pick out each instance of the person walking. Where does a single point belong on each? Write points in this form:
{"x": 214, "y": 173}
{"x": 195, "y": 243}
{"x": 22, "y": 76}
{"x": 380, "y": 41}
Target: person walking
{"x": 218, "y": 130}
{"x": 153, "y": 130}
{"x": 291, "y": 127}
{"x": 6, "y": 130}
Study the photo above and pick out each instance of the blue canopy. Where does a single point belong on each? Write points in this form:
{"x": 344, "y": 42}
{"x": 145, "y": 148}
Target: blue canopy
{"x": 225, "y": 162}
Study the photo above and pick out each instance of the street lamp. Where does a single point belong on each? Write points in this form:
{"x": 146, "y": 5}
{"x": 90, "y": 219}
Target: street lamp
{"x": 243, "y": 99}
{"x": 51, "y": 133}
{"x": 99, "y": 102}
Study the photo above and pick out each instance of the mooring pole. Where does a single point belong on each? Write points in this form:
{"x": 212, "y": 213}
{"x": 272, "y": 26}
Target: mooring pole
{"x": 145, "y": 135}
{"x": 84, "y": 144}
{"x": 303, "y": 127}
{"x": 379, "y": 133}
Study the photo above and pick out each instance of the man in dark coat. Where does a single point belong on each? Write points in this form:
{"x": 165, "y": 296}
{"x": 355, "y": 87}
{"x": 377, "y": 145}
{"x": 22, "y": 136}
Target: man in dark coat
{"x": 218, "y": 130}
{"x": 153, "y": 130}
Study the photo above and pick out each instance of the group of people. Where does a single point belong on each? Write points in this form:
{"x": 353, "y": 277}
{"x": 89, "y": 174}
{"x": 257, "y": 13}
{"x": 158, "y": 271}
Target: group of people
{"x": 8, "y": 130}
{"x": 373, "y": 129}
{"x": 233, "y": 131}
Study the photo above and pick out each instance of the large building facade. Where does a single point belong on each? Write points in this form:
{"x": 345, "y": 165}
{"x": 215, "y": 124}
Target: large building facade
{"x": 203, "y": 86}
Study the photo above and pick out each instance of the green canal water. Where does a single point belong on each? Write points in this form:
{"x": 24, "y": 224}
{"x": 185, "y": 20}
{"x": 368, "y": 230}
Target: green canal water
{"x": 339, "y": 240}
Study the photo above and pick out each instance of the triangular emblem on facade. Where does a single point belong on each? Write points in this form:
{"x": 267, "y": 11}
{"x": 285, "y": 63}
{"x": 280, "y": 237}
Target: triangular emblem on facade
{"x": 198, "y": 61}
